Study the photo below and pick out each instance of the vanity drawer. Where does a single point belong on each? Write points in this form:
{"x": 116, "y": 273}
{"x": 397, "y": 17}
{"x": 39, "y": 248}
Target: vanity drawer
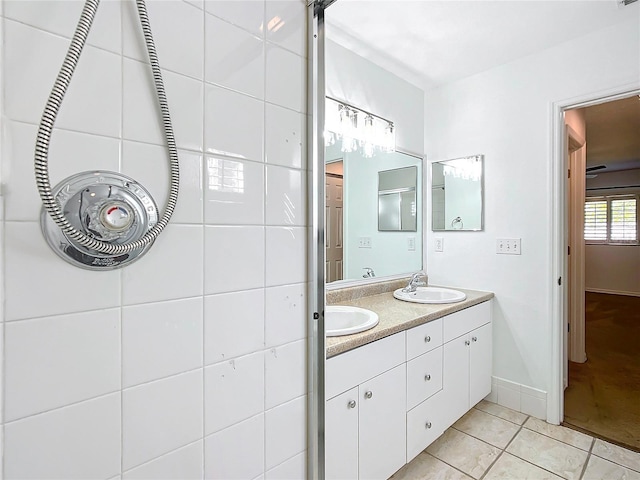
{"x": 354, "y": 367}
{"x": 424, "y": 425}
{"x": 424, "y": 377}
{"x": 466, "y": 320}
{"x": 424, "y": 338}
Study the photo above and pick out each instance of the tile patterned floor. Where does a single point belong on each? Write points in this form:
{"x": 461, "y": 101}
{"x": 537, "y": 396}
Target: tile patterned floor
{"x": 495, "y": 443}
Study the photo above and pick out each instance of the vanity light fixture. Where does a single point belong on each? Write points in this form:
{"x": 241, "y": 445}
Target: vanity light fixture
{"x": 357, "y": 129}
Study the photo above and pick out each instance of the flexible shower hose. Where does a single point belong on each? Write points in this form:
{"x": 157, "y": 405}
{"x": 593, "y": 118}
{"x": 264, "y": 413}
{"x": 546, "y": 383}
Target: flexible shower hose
{"x": 48, "y": 119}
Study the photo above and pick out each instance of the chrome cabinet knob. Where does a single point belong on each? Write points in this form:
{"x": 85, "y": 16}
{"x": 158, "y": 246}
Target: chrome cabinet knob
{"x": 428, "y": 425}
{"x": 427, "y": 377}
{"x": 351, "y": 404}
{"x": 475, "y": 339}
{"x": 467, "y": 342}
{"x": 427, "y": 339}
{"x": 368, "y": 394}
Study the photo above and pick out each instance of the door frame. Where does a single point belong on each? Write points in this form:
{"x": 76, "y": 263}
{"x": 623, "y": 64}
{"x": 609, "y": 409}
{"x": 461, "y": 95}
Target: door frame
{"x": 558, "y": 213}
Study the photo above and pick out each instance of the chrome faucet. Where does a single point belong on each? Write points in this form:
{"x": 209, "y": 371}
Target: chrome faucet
{"x": 368, "y": 272}
{"x": 415, "y": 282}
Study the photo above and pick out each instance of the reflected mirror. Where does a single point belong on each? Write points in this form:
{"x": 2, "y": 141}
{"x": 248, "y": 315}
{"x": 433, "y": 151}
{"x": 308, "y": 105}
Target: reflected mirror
{"x": 457, "y": 194}
{"x": 358, "y": 243}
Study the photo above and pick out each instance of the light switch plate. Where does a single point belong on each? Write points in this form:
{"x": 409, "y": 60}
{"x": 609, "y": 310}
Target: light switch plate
{"x": 508, "y": 246}
{"x": 439, "y": 244}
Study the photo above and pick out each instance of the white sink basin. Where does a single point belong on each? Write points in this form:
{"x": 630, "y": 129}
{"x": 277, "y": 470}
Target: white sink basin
{"x": 430, "y": 295}
{"x": 345, "y": 320}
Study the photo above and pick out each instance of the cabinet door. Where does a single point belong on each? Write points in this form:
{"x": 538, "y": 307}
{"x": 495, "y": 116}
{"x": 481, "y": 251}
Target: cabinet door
{"x": 480, "y": 364}
{"x": 382, "y": 424}
{"x": 455, "y": 379}
{"x": 341, "y": 436}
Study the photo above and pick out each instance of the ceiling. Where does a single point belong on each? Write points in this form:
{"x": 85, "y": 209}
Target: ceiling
{"x": 432, "y": 42}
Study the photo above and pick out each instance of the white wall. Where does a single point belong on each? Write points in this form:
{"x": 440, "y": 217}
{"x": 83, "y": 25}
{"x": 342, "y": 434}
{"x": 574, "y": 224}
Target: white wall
{"x": 191, "y": 361}
{"x": 613, "y": 268}
{"x": 505, "y": 113}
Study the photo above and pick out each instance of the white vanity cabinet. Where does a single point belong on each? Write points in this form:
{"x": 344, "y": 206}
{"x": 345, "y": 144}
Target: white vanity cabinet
{"x": 467, "y": 360}
{"x": 388, "y": 400}
{"x": 365, "y": 426}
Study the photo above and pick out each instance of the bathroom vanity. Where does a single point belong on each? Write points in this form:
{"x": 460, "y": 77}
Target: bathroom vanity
{"x": 392, "y": 390}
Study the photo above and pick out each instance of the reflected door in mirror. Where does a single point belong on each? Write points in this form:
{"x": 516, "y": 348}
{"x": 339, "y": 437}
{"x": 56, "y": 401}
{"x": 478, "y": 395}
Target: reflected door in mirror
{"x": 334, "y": 223}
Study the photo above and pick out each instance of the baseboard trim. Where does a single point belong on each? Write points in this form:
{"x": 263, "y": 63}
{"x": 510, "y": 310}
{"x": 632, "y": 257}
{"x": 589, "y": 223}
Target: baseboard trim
{"x": 613, "y": 292}
{"x": 518, "y": 397}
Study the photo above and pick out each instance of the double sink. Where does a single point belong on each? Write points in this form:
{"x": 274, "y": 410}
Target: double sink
{"x": 346, "y": 320}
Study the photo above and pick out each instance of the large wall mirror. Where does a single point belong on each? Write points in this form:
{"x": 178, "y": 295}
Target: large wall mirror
{"x": 457, "y": 194}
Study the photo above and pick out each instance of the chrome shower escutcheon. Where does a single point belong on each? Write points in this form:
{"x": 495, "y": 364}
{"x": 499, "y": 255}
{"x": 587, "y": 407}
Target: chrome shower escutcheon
{"x": 106, "y": 206}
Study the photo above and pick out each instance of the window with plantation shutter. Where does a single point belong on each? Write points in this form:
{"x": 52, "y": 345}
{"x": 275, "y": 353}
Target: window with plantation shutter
{"x": 595, "y": 221}
{"x": 611, "y": 220}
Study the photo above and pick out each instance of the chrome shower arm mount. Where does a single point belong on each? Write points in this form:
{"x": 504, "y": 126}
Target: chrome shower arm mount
{"x": 104, "y": 220}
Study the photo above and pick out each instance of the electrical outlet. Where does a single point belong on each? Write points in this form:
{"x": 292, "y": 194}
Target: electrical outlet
{"x": 439, "y": 244}
{"x": 364, "y": 242}
{"x": 411, "y": 244}
{"x": 508, "y": 246}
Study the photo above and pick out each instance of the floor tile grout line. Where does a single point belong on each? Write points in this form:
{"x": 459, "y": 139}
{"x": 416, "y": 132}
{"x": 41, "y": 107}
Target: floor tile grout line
{"x": 502, "y": 418}
{"x": 586, "y": 462}
{"x": 557, "y": 439}
{"x": 503, "y": 450}
{"x": 448, "y": 464}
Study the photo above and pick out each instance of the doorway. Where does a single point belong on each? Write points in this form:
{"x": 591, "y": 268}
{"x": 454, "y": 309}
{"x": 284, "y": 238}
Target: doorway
{"x": 334, "y": 218}
{"x": 603, "y": 271}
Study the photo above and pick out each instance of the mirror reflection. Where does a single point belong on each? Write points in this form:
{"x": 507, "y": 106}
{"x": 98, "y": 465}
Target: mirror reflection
{"x": 456, "y": 194}
{"x": 356, "y": 247}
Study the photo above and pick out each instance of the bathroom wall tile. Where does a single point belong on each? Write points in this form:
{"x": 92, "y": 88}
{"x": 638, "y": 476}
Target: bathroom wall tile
{"x": 285, "y": 431}
{"x": 286, "y": 199}
{"x": 550, "y": 454}
{"x": 285, "y": 132}
{"x": 599, "y": 469}
{"x": 286, "y": 90}
{"x": 285, "y": 314}
{"x": 235, "y": 259}
{"x": 169, "y": 19}
{"x": 42, "y": 284}
{"x": 617, "y": 454}
{"x": 235, "y": 58}
{"x": 233, "y": 391}
{"x": 171, "y": 269}
{"x": 69, "y": 153}
{"x": 292, "y": 469}
{"x": 161, "y": 339}
{"x": 32, "y": 61}
{"x": 234, "y": 191}
{"x": 486, "y": 427}
{"x": 141, "y": 113}
{"x": 55, "y": 361}
{"x": 161, "y": 416}
{"x": 286, "y": 261}
{"x": 34, "y": 448}
{"x": 234, "y": 124}
{"x": 234, "y": 325}
{"x": 509, "y": 397}
{"x": 533, "y": 406}
{"x": 285, "y": 373}
{"x": 286, "y": 25}
{"x": 61, "y": 18}
{"x": 464, "y": 452}
{"x": 236, "y": 452}
{"x": 149, "y": 165}
{"x": 248, "y": 14}
{"x": 183, "y": 464}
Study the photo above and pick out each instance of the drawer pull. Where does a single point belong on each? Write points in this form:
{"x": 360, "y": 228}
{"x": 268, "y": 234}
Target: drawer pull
{"x": 428, "y": 425}
{"x": 368, "y": 394}
{"x": 427, "y": 339}
{"x": 467, "y": 343}
{"x": 351, "y": 404}
{"x": 475, "y": 339}
{"x": 427, "y": 377}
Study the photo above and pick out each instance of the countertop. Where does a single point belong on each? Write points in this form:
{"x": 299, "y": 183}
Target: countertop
{"x": 395, "y": 316}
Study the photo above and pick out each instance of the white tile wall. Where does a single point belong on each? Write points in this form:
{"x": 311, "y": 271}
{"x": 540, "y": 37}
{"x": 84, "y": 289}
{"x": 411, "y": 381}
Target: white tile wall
{"x": 188, "y": 363}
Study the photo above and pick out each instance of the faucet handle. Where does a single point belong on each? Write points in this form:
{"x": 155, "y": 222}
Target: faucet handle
{"x": 368, "y": 272}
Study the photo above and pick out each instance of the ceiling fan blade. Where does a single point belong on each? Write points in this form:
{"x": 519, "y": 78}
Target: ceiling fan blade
{"x": 597, "y": 167}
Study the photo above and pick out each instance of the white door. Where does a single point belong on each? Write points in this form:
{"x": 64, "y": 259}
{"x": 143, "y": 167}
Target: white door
{"x": 455, "y": 379}
{"x": 480, "y": 364}
{"x": 334, "y": 227}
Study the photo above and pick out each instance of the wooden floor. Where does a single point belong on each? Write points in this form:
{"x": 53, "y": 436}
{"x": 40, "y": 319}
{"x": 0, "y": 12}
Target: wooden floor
{"x": 603, "y": 396}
